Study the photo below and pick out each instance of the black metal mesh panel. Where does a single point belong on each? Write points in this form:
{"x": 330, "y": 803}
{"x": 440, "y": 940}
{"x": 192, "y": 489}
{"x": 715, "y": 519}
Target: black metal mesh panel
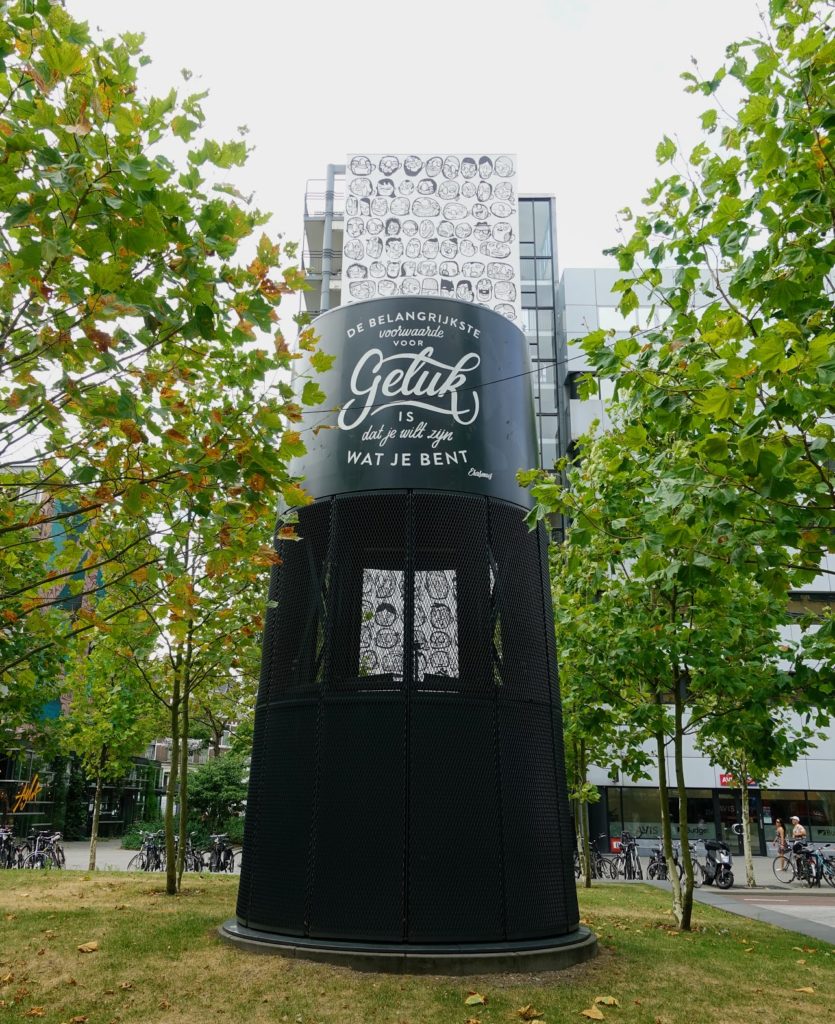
{"x": 407, "y": 776}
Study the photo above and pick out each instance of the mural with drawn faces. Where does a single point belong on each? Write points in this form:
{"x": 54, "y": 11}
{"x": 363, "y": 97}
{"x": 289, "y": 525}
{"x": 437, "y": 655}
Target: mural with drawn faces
{"x": 433, "y": 224}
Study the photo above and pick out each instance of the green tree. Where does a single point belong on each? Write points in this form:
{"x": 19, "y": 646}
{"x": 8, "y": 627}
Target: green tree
{"x": 108, "y": 718}
{"x": 217, "y": 789}
{"x": 131, "y": 374}
{"x": 742, "y": 363}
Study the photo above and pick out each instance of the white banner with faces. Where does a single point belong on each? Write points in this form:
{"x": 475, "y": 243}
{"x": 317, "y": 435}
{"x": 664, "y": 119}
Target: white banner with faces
{"x": 432, "y": 225}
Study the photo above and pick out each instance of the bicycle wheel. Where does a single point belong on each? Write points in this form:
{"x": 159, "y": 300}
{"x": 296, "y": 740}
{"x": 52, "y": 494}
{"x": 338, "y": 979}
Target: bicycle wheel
{"x": 639, "y": 871}
{"x": 228, "y": 861}
{"x": 59, "y": 855}
{"x": 577, "y": 867}
{"x": 828, "y": 871}
{"x": 136, "y": 863}
{"x": 38, "y": 861}
{"x": 783, "y": 869}
{"x": 607, "y": 868}
{"x": 698, "y": 875}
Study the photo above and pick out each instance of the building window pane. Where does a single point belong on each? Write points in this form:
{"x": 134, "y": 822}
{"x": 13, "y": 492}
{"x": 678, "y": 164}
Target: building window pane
{"x": 526, "y": 222}
{"x": 542, "y": 223}
{"x": 528, "y": 269}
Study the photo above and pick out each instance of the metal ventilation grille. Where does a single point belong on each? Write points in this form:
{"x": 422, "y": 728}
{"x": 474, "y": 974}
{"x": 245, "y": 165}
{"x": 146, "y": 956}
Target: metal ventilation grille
{"x": 407, "y": 777}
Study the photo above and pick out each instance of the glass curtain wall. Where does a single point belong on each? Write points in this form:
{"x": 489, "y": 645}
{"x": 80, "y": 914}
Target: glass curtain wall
{"x": 538, "y": 272}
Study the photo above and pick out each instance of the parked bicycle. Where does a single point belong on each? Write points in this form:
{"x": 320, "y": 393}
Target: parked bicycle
{"x": 46, "y": 850}
{"x": 221, "y": 854}
{"x": 151, "y": 856}
{"x": 806, "y": 863}
{"x": 627, "y": 862}
{"x": 601, "y": 867}
{"x": 12, "y": 852}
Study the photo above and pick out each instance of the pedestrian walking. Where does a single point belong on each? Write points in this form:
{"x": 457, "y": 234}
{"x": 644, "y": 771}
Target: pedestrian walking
{"x": 780, "y": 841}
{"x": 798, "y": 831}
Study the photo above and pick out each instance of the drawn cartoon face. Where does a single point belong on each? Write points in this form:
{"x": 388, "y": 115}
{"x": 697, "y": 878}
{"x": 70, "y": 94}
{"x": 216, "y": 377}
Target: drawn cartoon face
{"x": 374, "y": 226}
{"x": 464, "y": 291}
{"x": 356, "y": 271}
{"x": 451, "y": 167}
{"x": 429, "y": 286}
{"x": 394, "y": 248}
{"x": 385, "y": 187}
{"x": 499, "y": 271}
{"x": 362, "y": 289}
{"x": 379, "y": 206}
{"x": 388, "y": 165}
{"x": 469, "y": 168}
{"x": 498, "y": 250}
{"x": 353, "y": 249}
{"x": 449, "y": 269}
{"x": 504, "y": 166}
{"x": 373, "y": 247}
{"x": 360, "y": 187}
{"x": 481, "y": 231}
{"x": 427, "y": 229}
{"x": 408, "y": 268}
{"x": 360, "y": 165}
{"x": 466, "y": 247}
{"x": 473, "y": 269}
{"x": 410, "y": 286}
{"x": 468, "y": 190}
{"x": 351, "y": 206}
{"x": 445, "y": 229}
{"x": 463, "y": 229}
{"x": 505, "y": 290}
{"x": 413, "y": 248}
{"x": 353, "y": 227}
{"x": 480, "y": 211}
{"x": 449, "y": 248}
{"x": 392, "y": 227}
{"x": 412, "y": 165}
{"x": 484, "y": 290}
{"x": 501, "y": 209}
{"x": 386, "y": 288}
{"x": 448, "y": 190}
{"x": 433, "y": 166}
{"x": 399, "y": 206}
{"x": 406, "y": 187}
{"x": 427, "y": 187}
{"x": 506, "y": 310}
{"x": 502, "y": 231}
{"x": 409, "y": 228}
{"x": 377, "y": 269}
{"x": 424, "y": 206}
{"x": 447, "y": 288}
{"x": 393, "y": 269}
{"x": 427, "y": 268}
{"x": 503, "y": 190}
{"x": 430, "y": 248}
{"x": 485, "y": 167}
{"x": 364, "y": 207}
{"x": 455, "y": 211}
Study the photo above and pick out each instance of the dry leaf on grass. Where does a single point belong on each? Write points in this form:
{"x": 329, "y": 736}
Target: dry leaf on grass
{"x": 7, "y": 979}
{"x": 527, "y": 1012}
{"x": 806, "y": 988}
{"x": 164, "y": 1004}
{"x": 88, "y": 947}
{"x": 475, "y": 999}
{"x": 800, "y": 961}
{"x": 605, "y": 1001}
{"x": 125, "y": 984}
{"x": 592, "y": 1013}
{"x": 80, "y": 1019}
{"x": 473, "y": 1020}
{"x": 35, "y": 1011}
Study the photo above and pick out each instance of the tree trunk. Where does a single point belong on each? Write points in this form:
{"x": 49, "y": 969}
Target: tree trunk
{"x": 686, "y": 860}
{"x": 750, "y": 881}
{"x": 171, "y": 790}
{"x": 181, "y": 850}
{"x": 94, "y": 828}
{"x": 584, "y": 812}
{"x": 666, "y": 830}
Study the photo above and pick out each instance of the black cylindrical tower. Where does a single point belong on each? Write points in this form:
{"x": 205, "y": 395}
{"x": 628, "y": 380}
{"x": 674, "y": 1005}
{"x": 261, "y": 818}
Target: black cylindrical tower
{"x": 407, "y": 805}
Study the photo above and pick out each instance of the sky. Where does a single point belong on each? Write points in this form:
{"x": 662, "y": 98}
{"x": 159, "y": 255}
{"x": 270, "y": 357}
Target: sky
{"x": 582, "y": 92}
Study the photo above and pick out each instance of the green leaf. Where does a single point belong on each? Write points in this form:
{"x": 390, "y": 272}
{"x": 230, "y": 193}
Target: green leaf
{"x": 312, "y": 394}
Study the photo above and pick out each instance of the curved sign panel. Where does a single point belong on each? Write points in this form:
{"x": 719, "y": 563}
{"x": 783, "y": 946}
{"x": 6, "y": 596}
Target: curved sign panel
{"x": 429, "y": 393}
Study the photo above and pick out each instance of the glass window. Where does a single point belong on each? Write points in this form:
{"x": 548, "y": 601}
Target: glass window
{"x": 526, "y": 221}
{"x": 641, "y": 813}
{"x": 544, "y": 271}
{"x": 701, "y": 821}
{"x": 529, "y": 321}
{"x": 822, "y": 817}
{"x": 613, "y": 801}
{"x": 544, "y": 295}
{"x": 547, "y": 374}
{"x": 527, "y": 250}
{"x": 545, "y": 320}
{"x": 528, "y": 269}
{"x": 542, "y": 225}
{"x": 528, "y": 299}
{"x": 782, "y": 804}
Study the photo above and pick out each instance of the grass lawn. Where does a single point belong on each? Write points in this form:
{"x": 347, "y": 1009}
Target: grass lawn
{"x": 159, "y": 960}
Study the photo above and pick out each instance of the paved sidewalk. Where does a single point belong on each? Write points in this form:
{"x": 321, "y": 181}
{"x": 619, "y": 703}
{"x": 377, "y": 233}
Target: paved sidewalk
{"x": 109, "y": 856}
{"x": 794, "y": 907}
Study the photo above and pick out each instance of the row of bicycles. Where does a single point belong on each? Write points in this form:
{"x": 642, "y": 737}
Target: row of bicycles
{"x": 714, "y": 868}
{"x": 806, "y": 863}
{"x": 220, "y": 855}
{"x": 42, "y": 848}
